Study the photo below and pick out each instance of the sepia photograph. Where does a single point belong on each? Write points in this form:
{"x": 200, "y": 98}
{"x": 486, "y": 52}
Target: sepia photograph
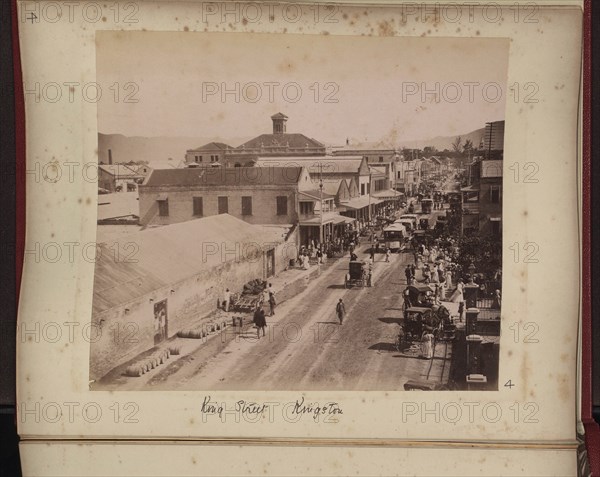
{"x": 299, "y": 212}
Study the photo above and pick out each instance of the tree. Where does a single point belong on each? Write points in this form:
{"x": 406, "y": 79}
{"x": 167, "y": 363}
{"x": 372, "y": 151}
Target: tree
{"x": 485, "y": 253}
{"x": 456, "y": 144}
{"x": 468, "y": 147}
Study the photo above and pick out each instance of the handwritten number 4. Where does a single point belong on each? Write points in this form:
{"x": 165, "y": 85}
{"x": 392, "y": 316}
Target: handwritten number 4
{"x": 509, "y": 384}
{"x": 32, "y": 17}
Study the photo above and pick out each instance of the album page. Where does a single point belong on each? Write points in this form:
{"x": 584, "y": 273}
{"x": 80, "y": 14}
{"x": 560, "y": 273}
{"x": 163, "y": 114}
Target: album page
{"x": 266, "y": 223}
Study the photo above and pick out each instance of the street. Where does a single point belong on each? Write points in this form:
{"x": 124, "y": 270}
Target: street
{"x": 305, "y": 347}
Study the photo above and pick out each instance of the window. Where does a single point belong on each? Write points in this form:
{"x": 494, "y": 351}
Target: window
{"x": 306, "y": 208}
{"x": 380, "y": 158}
{"x": 282, "y": 205}
{"x": 495, "y": 194}
{"x": 198, "y": 206}
{"x": 198, "y": 158}
{"x": 362, "y": 189}
{"x": 223, "y": 205}
{"x": 163, "y": 208}
{"x": 496, "y": 228}
{"x": 246, "y": 205}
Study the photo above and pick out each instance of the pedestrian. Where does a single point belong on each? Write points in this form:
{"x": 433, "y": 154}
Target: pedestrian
{"x": 449, "y": 279}
{"x": 226, "y": 299}
{"x": 387, "y": 254}
{"x": 413, "y": 271}
{"x": 259, "y": 320}
{"x": 340, "y": 311}
{"x": 408, "y": 274}
{"x": 372, "y": 254}
{"x": 497, "y": 300}
{"x": 426, "y": 273}
{"x": 427, "y": 345}
{"x": 272, "y": 302}
{"x": 406, "y": 297}
{"x": 457, "y": 296}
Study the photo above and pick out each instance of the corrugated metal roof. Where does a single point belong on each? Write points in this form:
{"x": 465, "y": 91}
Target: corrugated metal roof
{"x": 119, "y": 204}
{"x": 144, "y": 261}
{"x": 316, "y": 194}
{"x": 224, "y": 176}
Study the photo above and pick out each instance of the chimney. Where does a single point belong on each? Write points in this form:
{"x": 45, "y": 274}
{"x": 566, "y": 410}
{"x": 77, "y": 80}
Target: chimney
{"x": 279, "y": 121}
{"x": 110, "y": 157}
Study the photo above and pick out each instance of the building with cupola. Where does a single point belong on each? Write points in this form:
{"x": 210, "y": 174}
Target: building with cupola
{"x": 278, "y": 143}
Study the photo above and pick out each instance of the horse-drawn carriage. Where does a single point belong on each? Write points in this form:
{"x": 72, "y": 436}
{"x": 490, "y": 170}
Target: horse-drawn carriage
{"x": 422, "y": 315}
{"x": 359, "y": 273}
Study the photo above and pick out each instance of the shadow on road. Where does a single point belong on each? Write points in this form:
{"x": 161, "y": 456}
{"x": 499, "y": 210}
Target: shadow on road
{"x": 390, "y": 320}
{"x": 383, "y": 347}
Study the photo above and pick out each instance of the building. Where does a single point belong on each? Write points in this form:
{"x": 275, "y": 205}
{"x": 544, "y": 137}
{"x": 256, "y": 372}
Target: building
{"x": 493, "y": 140}
{"x": 209, "y": 154}
{"x": 254, "y": 195}
{"x": 277, "y": 143}
{"x": 482, "y": 199}
{"x": 118, "y": 177}
{"x": 349, "y": 179}
{"x": 175, "y": 277}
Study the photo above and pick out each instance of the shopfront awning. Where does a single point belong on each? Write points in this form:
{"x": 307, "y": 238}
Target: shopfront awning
{"x": 359, "y": 203}
{"x": 387, "y": 194}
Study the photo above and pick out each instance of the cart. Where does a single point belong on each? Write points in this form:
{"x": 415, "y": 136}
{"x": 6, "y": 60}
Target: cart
{"x": 417, "y": 321}
{"x": 358, "y": 274}
{"x": 246, "y": 303}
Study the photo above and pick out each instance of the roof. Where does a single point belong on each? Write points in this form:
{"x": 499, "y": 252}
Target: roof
{"x": 395, "y": 226}
{"x": 359, "y": 202}
{"x": 279, "y": 116}
{"x": 224, "y": 176}
{"x": 118, "y": 170}
{"x": 316, "y": 194}
{"x": 164, "y": 256}
{"x": 212, "y": 146}
{"x": 316, "y": 165}
{"x": 119, "y": 204}
{"x": 387, "y": 193}
{"x": 291, "y": 140}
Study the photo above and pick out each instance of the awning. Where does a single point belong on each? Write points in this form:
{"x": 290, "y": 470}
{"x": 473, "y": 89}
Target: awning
{"x": 387, "y": 194}
{"x": 360, "y": 202}
{"x": 162, "y": 197}
{"x": 328, "y": 218}
{"x": 340, "y": 219}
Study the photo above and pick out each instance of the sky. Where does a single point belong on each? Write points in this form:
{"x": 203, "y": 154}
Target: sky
{"x": 331, "y": 87}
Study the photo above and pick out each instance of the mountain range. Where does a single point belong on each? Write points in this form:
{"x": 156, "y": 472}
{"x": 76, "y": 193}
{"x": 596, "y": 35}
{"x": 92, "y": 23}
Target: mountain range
{"x": 165, "y": 152}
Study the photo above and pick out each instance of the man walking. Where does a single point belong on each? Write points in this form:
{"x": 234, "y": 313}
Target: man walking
{"x": 408, "y": 274}
{"x": 259, "y": 320}
{"x": 340, "y": 311}
{"x": 272, "y": 301}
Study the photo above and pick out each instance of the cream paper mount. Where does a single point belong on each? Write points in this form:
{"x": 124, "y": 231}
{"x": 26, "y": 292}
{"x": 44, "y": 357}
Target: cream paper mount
{"x": 144, "y": 66}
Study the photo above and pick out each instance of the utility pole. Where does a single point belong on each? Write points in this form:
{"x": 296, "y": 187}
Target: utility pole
{"x": 321, "y": 210}
{"x": 369, "y": 194}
